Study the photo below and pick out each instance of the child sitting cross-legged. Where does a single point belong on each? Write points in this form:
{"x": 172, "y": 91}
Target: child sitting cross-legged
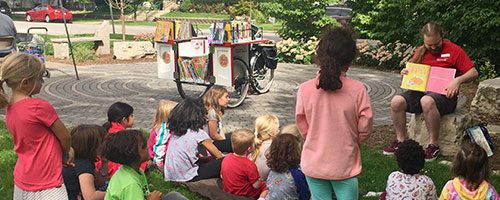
{"x": 286, "y": 180}
{"x": 409, "y": 183}
{"x": 239, "y": 174}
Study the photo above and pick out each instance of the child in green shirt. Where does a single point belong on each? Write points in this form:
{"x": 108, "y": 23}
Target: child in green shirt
{"x": 129, "y": 148}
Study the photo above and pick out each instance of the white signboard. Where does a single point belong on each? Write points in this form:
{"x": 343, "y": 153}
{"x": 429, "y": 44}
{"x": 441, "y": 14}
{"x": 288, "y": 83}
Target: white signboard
{"x": 166, "y": 62}
{"x": 222, "y": 66}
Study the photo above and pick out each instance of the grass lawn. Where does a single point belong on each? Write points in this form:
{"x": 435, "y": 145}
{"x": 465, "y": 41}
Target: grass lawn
{"x": 376, "y": 168}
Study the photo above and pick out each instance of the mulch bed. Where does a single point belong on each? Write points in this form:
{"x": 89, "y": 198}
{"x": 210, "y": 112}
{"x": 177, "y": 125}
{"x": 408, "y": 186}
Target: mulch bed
{"x": 383, "y": 135}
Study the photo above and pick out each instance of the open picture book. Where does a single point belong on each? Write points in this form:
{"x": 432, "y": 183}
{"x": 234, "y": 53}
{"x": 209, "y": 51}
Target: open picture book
{"x": 426, "y": 78}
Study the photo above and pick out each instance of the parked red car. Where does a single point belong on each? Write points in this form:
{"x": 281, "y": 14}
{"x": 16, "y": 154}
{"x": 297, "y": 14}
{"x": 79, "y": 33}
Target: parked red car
{"x": 47, "y": 13}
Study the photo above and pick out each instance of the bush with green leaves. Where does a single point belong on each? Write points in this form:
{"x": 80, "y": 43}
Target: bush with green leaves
{"x": 473, "y": 25}
{"x": 391, "y": 55}
{"x": 301, "y": 19}
{"x": 291, "y": 51}
{"x": 84, "y": 51}
{"x": 486, "y": 70}
{"x": 247, "y": 8}
{"x": 185, "y": 6}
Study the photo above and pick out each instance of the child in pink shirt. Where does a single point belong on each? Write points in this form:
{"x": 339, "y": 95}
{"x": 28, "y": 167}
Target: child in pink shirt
{"x": 160, "y": 134}
{"x": 334, "y": 115}
{"x": 40, "y": 138}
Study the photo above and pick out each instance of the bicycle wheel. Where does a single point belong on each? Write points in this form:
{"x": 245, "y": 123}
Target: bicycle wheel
{"x": 239, "y": 91}
{"x": 262, "y": 76}
{"x": 191, "y": 90}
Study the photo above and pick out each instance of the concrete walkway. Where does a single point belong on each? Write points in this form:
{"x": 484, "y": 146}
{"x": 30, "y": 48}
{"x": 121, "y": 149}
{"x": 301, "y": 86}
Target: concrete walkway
{"x": 87, "y": 100}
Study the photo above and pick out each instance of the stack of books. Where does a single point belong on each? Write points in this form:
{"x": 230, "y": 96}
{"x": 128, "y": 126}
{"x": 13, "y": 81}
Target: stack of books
{"x": 230, "y": 32}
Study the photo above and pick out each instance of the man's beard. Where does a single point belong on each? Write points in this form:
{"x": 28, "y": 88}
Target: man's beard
{"x": 435, "y": 52}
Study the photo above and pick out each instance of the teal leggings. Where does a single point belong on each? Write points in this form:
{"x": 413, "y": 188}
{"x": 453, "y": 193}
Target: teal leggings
{"x": 321, "y": 189}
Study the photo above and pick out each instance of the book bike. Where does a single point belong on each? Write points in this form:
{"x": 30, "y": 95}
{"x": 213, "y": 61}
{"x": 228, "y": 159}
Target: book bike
{"x": 235, "y": 55}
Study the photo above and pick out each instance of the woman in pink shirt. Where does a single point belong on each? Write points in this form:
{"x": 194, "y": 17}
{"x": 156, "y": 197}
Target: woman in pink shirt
{"x": 40, "y": 138}
{"x": 334, "y": 115}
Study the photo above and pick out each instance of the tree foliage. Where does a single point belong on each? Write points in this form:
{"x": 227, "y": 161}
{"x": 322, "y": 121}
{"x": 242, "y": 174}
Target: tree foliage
{"x": 301, "y": 19}
{"x": 473, "y": 25}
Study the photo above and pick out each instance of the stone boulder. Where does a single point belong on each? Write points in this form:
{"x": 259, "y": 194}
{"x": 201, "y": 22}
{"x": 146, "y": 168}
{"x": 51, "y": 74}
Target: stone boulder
{"x": 486, "y": 103}
{"x": 452, "y": 128}
{"x": 133, "y": 50}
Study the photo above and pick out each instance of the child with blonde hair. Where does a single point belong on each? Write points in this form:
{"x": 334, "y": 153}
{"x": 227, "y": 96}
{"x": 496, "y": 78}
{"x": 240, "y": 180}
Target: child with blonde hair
{"x": 215, "y": 101}
{"x": 239, "y": 174}
{"x": 293, "y": 130}
{"x": 266, "y": 128}
{"x": 159, "y": 136}
{"x": 40, "y": 137}
{"x": 471, "y": 171}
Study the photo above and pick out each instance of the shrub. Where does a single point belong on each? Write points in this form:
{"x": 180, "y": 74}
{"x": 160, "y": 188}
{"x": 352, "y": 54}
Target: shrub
{"x": 84, "y": 51}
{"x": 391, "y": 56}
{"x": 297, "y": 52}
{"x": 185, "y": 6}
{"x": 486, "y": 69}
{"x": 247, "y": 8}
{"x": 471, "y": 24}
{"x": 301, "y": 19}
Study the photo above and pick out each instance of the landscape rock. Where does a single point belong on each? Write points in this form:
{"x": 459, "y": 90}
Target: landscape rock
{"x": 133, "y": 50}
{"x": 486, "y": 102}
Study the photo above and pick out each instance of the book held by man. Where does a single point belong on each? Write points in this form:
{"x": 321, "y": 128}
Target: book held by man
{"x": 426, "y": 78}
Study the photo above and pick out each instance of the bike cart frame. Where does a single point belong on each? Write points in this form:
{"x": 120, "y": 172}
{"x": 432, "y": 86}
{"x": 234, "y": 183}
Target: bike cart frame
{"x": 195, "y": 65}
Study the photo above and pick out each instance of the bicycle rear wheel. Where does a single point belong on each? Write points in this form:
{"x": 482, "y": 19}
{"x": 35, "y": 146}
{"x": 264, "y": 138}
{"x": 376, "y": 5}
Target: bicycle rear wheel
{"x": 239, "y": 91}
{"x": 191, "y": 90}
{"x": 262, "y": 76}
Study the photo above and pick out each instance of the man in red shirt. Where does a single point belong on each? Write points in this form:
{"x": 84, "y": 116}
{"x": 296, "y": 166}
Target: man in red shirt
{"x": 436, "y": 52}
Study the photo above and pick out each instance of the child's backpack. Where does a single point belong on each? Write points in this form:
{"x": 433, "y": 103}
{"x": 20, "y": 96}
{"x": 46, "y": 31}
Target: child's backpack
{"x": 479, "y": 134}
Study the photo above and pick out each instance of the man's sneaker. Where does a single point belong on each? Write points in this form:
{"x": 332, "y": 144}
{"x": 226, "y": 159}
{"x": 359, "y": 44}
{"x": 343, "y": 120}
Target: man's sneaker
{"x": 389, "y": 150}
{"x": 431, "y": 152}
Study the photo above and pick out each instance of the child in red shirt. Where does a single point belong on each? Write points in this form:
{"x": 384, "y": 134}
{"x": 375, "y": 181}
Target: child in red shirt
{"x": 239, "y": 174}
{"x": 40, "y": 138}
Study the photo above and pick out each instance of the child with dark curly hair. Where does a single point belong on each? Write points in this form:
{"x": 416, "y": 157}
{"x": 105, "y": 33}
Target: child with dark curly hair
{"x": 182, "y": 161}
{"x": 470, "y": 171}
{"x": 129, "y": 148}
{"x": 239, "y": 174}
{"x": 286, "y": 180}
{"x": 408, "y": 183}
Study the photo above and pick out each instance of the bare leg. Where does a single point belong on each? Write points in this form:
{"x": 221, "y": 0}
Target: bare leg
{"x": 432, "y": 118}
{"x": 398, "y": 114}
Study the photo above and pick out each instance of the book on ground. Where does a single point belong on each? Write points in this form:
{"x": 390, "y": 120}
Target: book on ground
{"x": 426, "y": 78}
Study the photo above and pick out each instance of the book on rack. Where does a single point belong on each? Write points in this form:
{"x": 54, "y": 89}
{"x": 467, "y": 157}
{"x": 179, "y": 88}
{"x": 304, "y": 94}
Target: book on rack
{"x": 218, "y": 33}
{"x": 193, "y": 69}
{"x": 425, "y": 78}
{"x": 164, "y": 31}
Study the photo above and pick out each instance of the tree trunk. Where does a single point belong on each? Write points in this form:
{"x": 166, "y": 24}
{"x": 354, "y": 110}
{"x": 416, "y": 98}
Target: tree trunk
{"x": 122, "y": 15}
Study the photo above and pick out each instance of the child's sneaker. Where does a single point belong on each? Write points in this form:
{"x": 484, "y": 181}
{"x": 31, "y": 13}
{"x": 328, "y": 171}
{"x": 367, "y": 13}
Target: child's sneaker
{"x": 431, "y": 152}
{"x": 389, "y": 150}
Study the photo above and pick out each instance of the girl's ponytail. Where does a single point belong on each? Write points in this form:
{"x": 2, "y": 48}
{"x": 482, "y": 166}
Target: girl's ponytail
{"x": 336, "y": 50}
{"x": 3, "y": 97}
